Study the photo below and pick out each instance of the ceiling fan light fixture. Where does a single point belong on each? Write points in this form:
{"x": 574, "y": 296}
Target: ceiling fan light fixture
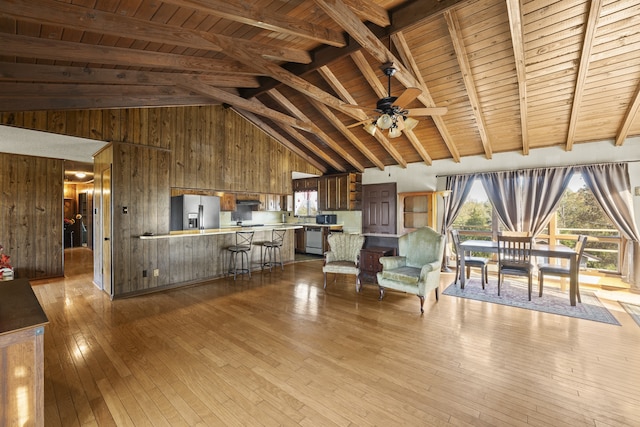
{"x": 370, "y": 128}
{"x": 410, "y": 123}
{"x": 394, "y": 132}
{"x": 385, "y": 121}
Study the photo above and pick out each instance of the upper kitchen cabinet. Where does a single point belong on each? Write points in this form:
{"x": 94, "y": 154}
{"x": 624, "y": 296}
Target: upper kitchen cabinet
{"x": 417, "y": 209}
{"x": 305, "y": 184}
{"x": 340, "y": 192}
{"x": 227, "y": 202}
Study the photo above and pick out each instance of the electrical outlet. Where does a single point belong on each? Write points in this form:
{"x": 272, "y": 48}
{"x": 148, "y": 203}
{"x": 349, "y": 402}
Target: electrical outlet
{"x": 156, "y": 272}
{"x": 144, "y": 273}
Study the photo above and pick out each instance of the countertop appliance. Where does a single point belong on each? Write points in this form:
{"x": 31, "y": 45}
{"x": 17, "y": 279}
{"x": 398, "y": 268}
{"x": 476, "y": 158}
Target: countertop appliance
{"x": 313, "y": 238}
{"x": 327, "y": 219}
{"x": 193, "y": 212}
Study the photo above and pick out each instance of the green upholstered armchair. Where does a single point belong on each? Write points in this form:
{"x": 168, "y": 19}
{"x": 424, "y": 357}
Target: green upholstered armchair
{"x": 343, "y": 256}
{"x": 417, "y": 269}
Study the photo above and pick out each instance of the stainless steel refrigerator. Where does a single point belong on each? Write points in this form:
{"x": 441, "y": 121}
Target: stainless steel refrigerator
{"x": 193, "y": 212}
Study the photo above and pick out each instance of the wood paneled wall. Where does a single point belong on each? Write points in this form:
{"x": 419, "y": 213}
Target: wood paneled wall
{"x": 201, "y": 148}
{"x": 212, "y": 148}
{"x": 31, "y": 198}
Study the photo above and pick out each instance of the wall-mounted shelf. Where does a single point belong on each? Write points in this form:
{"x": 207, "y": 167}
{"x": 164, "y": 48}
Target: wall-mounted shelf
{"x": 416, "y": 209}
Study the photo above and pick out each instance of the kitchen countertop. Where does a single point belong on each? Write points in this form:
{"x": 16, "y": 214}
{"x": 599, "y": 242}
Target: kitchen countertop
{"x": 229, "y": 229}
{"x": 220, "y": 231}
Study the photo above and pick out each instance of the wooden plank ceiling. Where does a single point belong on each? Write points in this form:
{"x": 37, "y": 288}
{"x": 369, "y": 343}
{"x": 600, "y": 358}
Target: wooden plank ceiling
{"x": 513, "y": 75}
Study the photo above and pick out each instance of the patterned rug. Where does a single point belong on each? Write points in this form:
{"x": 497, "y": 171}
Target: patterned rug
{"x": 633, "y": 310}
{"x": 553, "y": 300}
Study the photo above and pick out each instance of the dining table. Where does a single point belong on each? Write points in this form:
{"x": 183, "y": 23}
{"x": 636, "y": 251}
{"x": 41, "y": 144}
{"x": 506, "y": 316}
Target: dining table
{"x": 537, "y": 249}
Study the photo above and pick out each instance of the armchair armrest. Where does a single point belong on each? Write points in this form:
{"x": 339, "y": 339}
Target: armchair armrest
{"x": 329, "y": 256}
{"x": 428, "y": 268}
{"x": 391, "y": 262}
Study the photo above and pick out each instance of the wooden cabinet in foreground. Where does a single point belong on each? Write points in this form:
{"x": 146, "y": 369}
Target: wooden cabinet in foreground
{"x": 417, "y": 209}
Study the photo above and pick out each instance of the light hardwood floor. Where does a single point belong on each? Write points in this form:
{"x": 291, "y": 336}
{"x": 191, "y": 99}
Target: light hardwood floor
{"x": 279, "y": 350}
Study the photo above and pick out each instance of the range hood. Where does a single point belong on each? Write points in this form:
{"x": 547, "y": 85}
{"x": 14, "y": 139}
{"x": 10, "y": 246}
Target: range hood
{"x": 248, "y": 202}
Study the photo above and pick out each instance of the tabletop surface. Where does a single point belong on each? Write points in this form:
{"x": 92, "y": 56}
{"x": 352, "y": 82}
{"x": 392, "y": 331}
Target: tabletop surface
{"x": 19, "y": 307}
{"x": 537, "y": 247}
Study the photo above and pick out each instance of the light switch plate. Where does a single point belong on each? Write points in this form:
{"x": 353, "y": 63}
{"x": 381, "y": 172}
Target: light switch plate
{"x": 637, "y": 191}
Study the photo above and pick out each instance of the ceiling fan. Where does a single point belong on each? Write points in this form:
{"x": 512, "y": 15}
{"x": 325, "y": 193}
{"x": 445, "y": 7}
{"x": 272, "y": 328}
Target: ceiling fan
{"x": 392, "y": 114}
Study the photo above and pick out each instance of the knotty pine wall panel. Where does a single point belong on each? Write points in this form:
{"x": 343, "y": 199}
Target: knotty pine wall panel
{"x": 31, "y": 216}
{"x": 206, "y": 148}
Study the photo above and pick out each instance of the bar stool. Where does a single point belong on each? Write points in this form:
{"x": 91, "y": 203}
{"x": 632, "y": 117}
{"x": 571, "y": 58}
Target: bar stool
{"x": 242, "y": 248}
{"x": 277, "y": 239}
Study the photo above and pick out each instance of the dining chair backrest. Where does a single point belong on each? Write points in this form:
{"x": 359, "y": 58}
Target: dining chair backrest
{"x": 579, "y": 248}
{"x": 515, "y": 233}
{"x": 455, "y": 237}
{"x": 514, "y": 252}
{"x": 277, "y": 236}
{"x": 244, "y": 238}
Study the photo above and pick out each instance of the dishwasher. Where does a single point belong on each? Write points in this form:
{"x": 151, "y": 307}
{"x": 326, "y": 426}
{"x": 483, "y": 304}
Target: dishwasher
{"x": 314, "y": 240}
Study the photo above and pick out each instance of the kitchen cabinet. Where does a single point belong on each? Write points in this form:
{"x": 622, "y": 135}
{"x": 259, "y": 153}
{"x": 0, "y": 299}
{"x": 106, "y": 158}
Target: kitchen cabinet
{"x": 287, "y": 203}
{"x": 274, "y": 202}
{"x": 370, "y": 262}
{"x": 416, "y": 209}
{"x": 300, "y": 244}
{"x": 305, "y": 184}
{"x": 340, "y": 192}
{"x": 227, "y": 202}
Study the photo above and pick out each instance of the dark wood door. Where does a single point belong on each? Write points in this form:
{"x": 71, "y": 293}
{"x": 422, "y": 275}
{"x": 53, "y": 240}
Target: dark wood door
{"x": 379, "y": 208}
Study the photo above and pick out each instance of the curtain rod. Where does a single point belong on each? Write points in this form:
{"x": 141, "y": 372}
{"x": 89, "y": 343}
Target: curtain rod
{"x": 539, "y": 167}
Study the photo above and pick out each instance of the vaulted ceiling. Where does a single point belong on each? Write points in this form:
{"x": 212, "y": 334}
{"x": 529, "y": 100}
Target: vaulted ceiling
{"x": 512, "y": 75}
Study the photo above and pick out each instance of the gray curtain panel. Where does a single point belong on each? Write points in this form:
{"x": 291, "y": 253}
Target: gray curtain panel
{"x": 612, "y": 189}
{"x": 525, "y": 200}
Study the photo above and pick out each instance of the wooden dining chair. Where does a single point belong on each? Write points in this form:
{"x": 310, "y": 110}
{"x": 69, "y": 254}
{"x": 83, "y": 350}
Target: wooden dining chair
{"x": 560, "y": 270}
{"x": 514, "y": 259}
{"x": 469, "y": 261}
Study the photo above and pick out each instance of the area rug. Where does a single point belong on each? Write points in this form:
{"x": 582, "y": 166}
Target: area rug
{"x": 553, "y": 300}
{"x": 633, "y": 310}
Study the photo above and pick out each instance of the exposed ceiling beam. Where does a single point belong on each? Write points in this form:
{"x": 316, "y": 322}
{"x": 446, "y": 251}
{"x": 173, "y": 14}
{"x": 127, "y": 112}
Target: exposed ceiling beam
{"x": 583, "y": 68}
{"x": 252, "y": 13}
{"x": 35, "y": 47}
{"x": 409, "y": 61}
{"x": 629, "y": 118}
{"x": 278, "y": 97}
{"x": 403, "y": 17}
{"x": 517, "y": 40}
{"x": 328, "y": 114}
{"x": 337, "y": 10}
{"x": 68, "y": 74}
{"x": 80, "y": 18}
{"x": 463, "y": 62}
{"x": 243, "y": 104}
{"x": 291, "y": 80}
{"x": 367, "y": 10}
{"x": 288, "y": 105}
{"x": 30, "y": 97}
{"x": 278, "y": 137}
{"x": 335, "y": 83}
{"x": 378, "y": 87}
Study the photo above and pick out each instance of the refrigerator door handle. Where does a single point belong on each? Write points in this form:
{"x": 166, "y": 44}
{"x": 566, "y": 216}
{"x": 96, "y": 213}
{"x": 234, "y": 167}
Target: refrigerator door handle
{"x": 201, "y": 217}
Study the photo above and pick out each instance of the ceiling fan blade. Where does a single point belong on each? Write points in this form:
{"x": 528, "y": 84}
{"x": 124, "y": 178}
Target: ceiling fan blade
{"x": 361, "y": 122}
{"x": 435, "y": 111}
{"x": 407, "y": 96}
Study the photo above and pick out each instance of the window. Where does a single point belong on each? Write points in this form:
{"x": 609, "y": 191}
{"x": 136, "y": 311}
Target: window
{"x": 306, "y": 203}
{"x": 578, "y": 213}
